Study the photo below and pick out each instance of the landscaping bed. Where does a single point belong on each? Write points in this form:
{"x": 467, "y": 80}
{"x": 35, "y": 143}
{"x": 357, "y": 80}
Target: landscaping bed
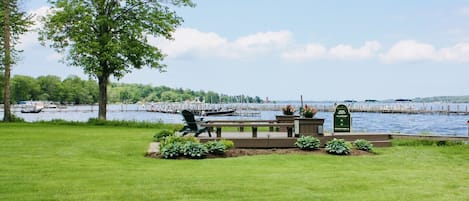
{"x": 253, "y": 152}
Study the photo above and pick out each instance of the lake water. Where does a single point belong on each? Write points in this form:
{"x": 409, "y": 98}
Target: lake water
{"x": 361, "y": 122}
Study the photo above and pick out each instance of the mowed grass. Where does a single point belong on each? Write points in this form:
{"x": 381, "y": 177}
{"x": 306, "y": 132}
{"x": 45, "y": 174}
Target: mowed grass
{"x": 60, "y": 162}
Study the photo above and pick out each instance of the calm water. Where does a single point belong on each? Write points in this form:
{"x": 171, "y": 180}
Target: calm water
{"x": 361, "y": 122}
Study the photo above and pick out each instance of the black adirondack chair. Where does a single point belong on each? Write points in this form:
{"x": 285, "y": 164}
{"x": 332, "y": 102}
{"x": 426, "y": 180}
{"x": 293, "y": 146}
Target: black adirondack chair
{"x": 192, "y": 125}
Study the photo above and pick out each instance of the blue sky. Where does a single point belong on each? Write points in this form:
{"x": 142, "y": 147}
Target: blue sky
{"x": 323, "y": 50}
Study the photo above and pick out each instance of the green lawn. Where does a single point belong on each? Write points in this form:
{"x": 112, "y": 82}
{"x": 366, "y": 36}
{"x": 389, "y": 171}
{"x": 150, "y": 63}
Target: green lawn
{"x": 58, "y": 162}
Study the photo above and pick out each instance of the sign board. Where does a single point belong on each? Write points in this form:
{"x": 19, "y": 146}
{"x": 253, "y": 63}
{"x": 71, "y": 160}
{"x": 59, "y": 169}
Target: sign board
{"x": 342, "y": 119}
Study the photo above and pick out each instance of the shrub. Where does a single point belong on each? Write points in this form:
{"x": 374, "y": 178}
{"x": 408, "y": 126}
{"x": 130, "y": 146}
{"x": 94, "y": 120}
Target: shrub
{"x": 172, "y": 150}
{"x": 338, "y": 146}
{"x": 215, "y": 147}
{"x": 362, "y": 144}
{"x": 162, "y": 134}
{"x": 194, "y": 150}
{"x": 308, "y": 143}
{"x": 17, "y": 119}
{"x": 173, "y": 139}
{"x": 228, "y": 144}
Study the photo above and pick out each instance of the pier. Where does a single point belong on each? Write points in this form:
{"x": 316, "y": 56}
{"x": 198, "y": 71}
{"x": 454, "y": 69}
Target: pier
{"x": 253, "y": 110}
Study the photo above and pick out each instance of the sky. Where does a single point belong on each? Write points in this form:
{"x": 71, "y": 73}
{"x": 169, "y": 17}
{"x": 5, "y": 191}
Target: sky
{"x": 323, "y": 50}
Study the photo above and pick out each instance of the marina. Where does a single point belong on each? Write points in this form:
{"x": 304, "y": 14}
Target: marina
{"x": 453, "y": 123}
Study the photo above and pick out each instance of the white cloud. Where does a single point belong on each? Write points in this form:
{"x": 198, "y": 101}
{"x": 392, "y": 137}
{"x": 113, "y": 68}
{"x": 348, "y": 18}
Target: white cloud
{"x": 311, "y": 51}
{"x": 190, "y": 41}
{"x": 409, "y": 51}
{"x": 315, "y": 51}
{"x": 30, "y": 39}
{"x": 368, "y": 50}
{"x": 459, "y": 53}
{"x": 193, "y": 42}
{"x": 412, "y": 51}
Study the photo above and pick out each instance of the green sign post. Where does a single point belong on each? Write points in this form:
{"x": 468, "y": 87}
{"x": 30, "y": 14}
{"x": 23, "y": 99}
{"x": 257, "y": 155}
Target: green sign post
{"x": 342, "y": 119}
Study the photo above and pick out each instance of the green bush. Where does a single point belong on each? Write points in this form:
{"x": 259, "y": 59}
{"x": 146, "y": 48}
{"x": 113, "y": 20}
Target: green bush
{"x": 162, "y": 134}
{"x": 181, "y": 139}
{"x": 228, "y": 144}
{"x": 362, "y": 144}
{"x": 194, "y": 150}
{"x": 172, "y": 150}
{"x": 308, "y": 143}
{"x": 17, "y": 119}
{"x": 215, "y": 147}
{"x": 338, "y": 146}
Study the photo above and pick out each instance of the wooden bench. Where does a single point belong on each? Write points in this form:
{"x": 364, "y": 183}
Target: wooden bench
{"x": 243, "y": 122}
{"x": 254, "y": 124}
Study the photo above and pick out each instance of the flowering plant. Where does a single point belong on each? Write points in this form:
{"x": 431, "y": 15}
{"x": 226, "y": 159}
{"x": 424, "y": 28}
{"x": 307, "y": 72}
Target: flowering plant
{"x": 288, "y": 110}
{"x": 309, "y": 111}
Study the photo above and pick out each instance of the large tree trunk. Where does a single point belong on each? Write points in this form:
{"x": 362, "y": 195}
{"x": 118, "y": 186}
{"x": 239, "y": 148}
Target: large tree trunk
{"x": 7, "y": 111}
{"x": 102, "y": 81}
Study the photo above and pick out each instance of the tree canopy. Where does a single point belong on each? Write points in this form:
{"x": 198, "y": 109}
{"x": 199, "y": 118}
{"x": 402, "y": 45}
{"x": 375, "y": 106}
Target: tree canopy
{"x": 74, "y": 90}
{"x": 13, "y": 23}
{"x": 110, "y": 37}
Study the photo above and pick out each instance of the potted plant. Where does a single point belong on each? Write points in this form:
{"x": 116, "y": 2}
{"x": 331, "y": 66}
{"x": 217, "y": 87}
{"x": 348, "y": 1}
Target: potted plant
{"x": 308, "y": 111}
{"x": 288, "y": 110}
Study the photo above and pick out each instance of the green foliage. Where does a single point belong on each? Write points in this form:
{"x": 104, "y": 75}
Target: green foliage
{"x": 24, "y": 88}
{"x": 180, "y": 139}
{"x": 338, "y": 147}
{"x": 110, "y": 38}
{"x": 129, "y": 123}
{"x": 445, "y": 99}
{"x": 308, "y": 143}
{"x": 417, "y": 142}
{"x": 362, "y": 144}
{"x": 228, "y": 144}
{"x": 19, "y": 23}
{"x": 172, "y": 150}
{"x": 132, "y": 93}
{"x": 15, "y": 118}
{"x": 112, "y": 123}
{"x": 162, "y": 134}
{"x": 194, "y": 150}
{"x": 74, "y": 90}
{"x": 215, "y": 147}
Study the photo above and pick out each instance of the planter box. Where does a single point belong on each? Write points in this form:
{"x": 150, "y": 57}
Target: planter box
{"x": 309, "y": 127}
{"x": 285, "y": 119}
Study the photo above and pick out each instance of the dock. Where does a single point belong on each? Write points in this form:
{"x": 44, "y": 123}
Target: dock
{"x": 254, "y": 109}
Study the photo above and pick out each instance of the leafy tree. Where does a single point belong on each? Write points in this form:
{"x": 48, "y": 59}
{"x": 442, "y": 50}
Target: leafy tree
{"x": 51, "y": 88}
{"x": 24, "y": 88}
{"x": 13, "y": 23}
{"x": 77, "y": 91}
{"x": 110, "y": 37}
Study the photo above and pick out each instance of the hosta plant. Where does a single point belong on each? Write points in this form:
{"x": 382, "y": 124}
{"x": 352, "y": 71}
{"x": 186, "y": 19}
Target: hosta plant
{"x": 308, "y": 143}
{"x": 194, "y": 150}
{"x": 362, "y": 144}
{"x": 172, "y": 150}
{"x": 162, "y": 134}
{"x": 228, "y": 144}
{"x": 215, "y": 147}
{"x": 338, "y": 147}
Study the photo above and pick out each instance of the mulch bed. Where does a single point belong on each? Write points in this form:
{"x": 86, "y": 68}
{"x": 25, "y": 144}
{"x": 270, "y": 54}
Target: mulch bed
{"x": 254, "y": 152}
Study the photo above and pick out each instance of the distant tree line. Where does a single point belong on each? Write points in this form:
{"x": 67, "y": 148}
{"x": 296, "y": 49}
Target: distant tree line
{"x": 449, "y": 99}
{"x": 74, "y": 90}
